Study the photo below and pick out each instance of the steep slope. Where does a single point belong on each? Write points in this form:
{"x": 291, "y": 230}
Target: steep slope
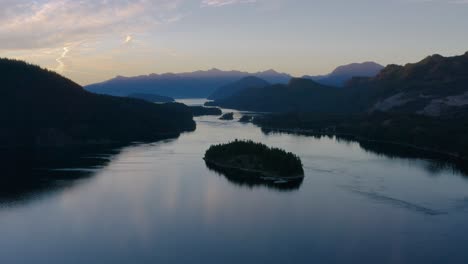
{"x": 41, "y": 108}
{"x": 434, "y": 86}
{"x": 199, "y": 84}
{"x": 232, "y": 88}
{"x": 343, "y": 74}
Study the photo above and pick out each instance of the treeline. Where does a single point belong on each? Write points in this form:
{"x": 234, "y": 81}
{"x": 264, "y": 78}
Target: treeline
{"x": 41, "y": 108}
{"x": 205, "y": 111}
{"x": 270, "y": 159}
{"x": 447, "y": 135}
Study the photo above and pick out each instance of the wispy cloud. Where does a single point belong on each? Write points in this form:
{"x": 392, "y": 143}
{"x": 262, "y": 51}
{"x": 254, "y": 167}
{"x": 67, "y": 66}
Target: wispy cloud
{"x": 128, "y": 39}
{"x": 218, "y": 3}
{"x": 61, "y": 64}
{"x": 40, "y": 24}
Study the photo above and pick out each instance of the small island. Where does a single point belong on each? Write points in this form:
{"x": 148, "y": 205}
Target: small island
{"x": 259, "y": 160}
{"x": 246, "y": 119}
{"x": 227, "y": 116}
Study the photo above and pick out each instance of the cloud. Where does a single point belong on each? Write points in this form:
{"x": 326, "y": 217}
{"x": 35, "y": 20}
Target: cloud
{"x": 51, "y": 23}
{"x": 128, "y": 39}
{"x": 61, "y": 64}
{"x": 218, "y": 3}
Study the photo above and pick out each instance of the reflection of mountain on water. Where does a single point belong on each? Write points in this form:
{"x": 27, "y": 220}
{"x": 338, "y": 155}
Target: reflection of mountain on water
{"x": 247, "y": 179}
{"x": 27, "y": 173}
{"x": 437, "y": 162}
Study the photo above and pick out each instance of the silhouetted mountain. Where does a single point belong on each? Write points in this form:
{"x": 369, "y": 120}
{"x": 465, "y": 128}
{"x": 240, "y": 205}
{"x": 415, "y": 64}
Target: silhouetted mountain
{"x": 302, "y": 95}
{"x": 198, "y": 84}
{"x": 273, "y": 76}
{"x": 421, "y": 105}
{"x": 434, "y": 86}
{"x": 343, "y": 74}
{"x": 42, "y": 108}
{"x": 237, "y": 86}
{"x": 153, "y": 98}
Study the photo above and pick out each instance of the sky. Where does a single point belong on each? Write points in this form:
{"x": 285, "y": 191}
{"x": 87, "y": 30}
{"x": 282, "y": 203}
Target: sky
{"x": 94, "y": 40}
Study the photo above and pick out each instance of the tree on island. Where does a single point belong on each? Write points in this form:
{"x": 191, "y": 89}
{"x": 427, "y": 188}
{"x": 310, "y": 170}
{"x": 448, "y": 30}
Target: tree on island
{"x": 248, "y": 155}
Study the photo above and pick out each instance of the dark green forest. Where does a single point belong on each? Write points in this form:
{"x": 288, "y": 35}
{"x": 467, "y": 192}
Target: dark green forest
{"x": 256, "y": 156}
{"x": 447, "y": 135}
{"x": 41, "y": 108}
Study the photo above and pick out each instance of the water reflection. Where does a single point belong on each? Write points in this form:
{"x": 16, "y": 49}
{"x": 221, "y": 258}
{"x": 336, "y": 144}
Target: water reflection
{"x": 29, "y": 173}
{"x": 436, "y": 162}
{"x": 248, "y": 180}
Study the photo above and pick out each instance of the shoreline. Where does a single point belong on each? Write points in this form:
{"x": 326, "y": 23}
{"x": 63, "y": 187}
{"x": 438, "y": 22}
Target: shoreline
{"x": 360, "y": 138}
{"x": 265, "y": 175}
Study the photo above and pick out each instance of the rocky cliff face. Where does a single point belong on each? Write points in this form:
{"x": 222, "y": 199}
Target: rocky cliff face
{"x": 435, "y": 86}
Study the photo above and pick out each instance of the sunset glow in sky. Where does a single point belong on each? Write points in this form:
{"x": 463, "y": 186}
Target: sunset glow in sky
{"x": 94, "y": 40}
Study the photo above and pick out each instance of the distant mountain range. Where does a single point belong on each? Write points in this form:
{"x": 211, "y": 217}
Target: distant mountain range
{"x": 198, "y": 84}
{"x": 435, "y": 86}
{"x": 344, "y": 73}
{"x": 203, "y": 84}
{"x": 41, "y": 108}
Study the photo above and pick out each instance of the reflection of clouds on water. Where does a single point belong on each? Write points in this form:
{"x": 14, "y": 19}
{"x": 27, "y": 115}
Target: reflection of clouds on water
{"x": 33, "y": 174}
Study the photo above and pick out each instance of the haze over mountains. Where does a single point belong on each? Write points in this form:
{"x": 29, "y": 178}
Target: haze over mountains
{"x": 199, "y": 84}
{"x": 202, "y": 84}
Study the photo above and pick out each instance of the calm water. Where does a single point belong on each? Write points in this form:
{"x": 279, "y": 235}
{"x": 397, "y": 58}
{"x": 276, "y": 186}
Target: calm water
{"x": 159, "y": 203}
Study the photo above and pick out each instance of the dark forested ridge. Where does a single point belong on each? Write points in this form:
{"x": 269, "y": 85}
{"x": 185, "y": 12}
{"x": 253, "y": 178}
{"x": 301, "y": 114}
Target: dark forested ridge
{"x": 198, "y": 84}
{"x": 435, "y": 86}
{"x": 237, "y": 86}
{"x": 198, "y": 110}
{"x": 298, "y": 95}
{"x": 445, "y": 135}
{"x": 423, "y": 105}
{"x": 41, "y": 108}
{"x": 153, "y": 98}
{"x": 249, "y": 155}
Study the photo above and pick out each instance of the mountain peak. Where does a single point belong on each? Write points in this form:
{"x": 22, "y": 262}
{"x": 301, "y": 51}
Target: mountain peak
{"x": 355, "y": 69}
{"x": 433, "y": 58}
{"x": 270, "y": 71}
{"x": 214, "y": 70}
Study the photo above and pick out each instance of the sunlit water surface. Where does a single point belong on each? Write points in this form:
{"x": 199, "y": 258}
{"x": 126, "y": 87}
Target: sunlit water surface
{"x": 159, "y": 203}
